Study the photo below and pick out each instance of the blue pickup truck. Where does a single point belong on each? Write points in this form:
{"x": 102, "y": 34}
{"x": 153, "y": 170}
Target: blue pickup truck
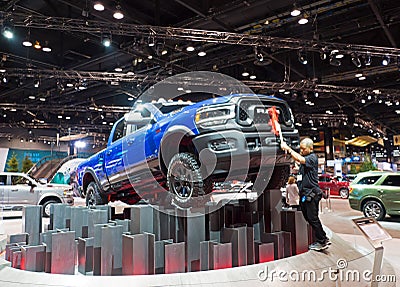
{"x": 179, "y": 150}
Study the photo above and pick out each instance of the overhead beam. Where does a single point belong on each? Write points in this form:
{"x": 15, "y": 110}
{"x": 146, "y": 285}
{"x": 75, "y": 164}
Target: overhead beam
{"x": 228, "y": 38}
{"x": 382, "y": 23}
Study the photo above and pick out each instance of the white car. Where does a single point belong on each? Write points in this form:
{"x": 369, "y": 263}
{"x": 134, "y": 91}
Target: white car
{"x": 19, "y": 189}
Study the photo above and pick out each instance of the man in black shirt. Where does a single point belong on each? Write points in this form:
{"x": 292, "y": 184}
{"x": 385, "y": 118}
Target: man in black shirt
{"x": 310, "y": 193}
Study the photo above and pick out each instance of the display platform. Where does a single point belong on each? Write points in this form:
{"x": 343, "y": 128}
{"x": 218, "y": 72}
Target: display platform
{"x": 251, "y": 275}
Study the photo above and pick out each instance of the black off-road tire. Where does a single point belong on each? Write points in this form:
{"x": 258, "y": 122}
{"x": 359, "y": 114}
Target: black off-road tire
{"x": 94, "y": 196}
{"x": 184, "y": 180}
{"x": 46, "y": 207}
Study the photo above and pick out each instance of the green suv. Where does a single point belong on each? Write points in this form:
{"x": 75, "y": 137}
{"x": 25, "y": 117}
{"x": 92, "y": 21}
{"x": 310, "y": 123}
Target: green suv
{"x": 376, "y": 193}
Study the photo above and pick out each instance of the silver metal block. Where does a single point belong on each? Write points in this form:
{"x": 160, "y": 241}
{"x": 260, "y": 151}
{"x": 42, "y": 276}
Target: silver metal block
{"x": 63, "y": 253}
{"x": 195, "y": 232}
{"x": 222, "y": 256}
{"x": 57, "y": 216}
{"x": 126, "y": 224}
{"x": 238, "y": 237}
{"x": 32, "y": 222}
{"x": 96, "y": 217}
{"x": 159, "y": 255}
{"x": 79, "y": 218}
{"x": 20, "y": 237}
{"x": 175, "y": 258}
{"x": 142, "y": 219}
{"x": 85, "y": 255}
{"x": 138, "y": 253}
{"x": 33, "y": 258}
{"x": 46, "y": 239}
{"x": 15, "y": 257}
{"x": 111, "y": 250}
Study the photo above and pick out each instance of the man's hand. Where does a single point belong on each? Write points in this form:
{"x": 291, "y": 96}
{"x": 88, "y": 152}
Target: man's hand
{"x": 285, "y": 147}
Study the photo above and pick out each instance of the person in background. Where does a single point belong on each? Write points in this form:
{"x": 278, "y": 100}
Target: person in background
{"x": 292, "y": 193}
{"x": 309, "y": 191}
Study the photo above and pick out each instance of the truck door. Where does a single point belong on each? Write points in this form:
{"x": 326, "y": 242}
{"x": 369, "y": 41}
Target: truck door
{"x": 114, "y": 154}
{"x": 21, "y": 191}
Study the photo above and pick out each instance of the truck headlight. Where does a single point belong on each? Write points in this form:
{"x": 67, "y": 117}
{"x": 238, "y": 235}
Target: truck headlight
{"x": 207, "y": 116}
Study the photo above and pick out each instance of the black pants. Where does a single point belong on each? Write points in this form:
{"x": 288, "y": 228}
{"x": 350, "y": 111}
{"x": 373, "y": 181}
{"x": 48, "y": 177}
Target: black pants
{"x": 310, "y": 211}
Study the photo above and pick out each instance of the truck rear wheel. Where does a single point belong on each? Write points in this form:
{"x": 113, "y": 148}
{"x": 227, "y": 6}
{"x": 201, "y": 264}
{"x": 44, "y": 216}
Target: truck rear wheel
{"x": 93, "y": 195}
{"x": 184, "y": 179}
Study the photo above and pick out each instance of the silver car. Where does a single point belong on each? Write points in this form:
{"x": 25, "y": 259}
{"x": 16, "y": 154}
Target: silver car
{"x": 19, "y": 189}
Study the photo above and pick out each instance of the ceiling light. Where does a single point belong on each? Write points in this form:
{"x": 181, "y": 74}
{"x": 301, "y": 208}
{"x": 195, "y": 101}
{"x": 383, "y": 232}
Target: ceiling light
{"x": 316, "y": 94}
{"x": 303, "y": 20}
{"x": 37, "y": 45}
{"x": 287, "y": 92}
{"x": 98, "y": 6}
{"x": 7, "y": 32}
{"x": 46, "y": 47}
{"x": 70, "y": 85}
{"x": 106, "y": 40}
{"x": 164, "y": 52}
{"x": 27, "y": 42}
{"x": 358, "y": 75}
{"x": 368, "y": 59}
{"x": 322, "y": 55}
{"x": 2, "y": 70}
{"x": 118, "y": 69}
{"x": 386, "y": 60}
{"x": 190, "y": 49}
{"x": 362, "y": 78}
{"x": 245, "y": 74}
{"x": 149, "y": 57}
{"x": 355, "y": 60}
{"x": 253, "y": 77}
{"x": 201, "y": 54}
{"x": 67, "y": 118}
{"x": 151, "y": 42}
{"x": 36, "y": 83}
{"x": 59, "y": 117}
{"x": 5, "y": 80}
{"x": 281, "y": 90}
{"x": 118, "y": 13}
{"x": 334, "y": 61}
{"x": 31, "y": 97}
{"x": 295, "y": 12}
{"x": 302, "y": 55}
{"x": 42, "y": 99}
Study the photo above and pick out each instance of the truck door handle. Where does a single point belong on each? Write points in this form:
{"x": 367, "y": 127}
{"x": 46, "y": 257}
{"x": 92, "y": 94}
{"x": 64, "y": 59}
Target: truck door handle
{"x": 14, "y": 189}
{"x": 130, "y": 141}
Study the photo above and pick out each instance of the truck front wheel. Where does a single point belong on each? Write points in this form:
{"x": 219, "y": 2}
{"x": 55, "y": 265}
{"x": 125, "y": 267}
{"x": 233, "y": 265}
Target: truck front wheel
{"x": 184, "y": 179}
{"x": 93, "y": 196}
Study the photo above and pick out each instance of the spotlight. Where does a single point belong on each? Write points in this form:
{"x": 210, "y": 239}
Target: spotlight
{"x": 46, "y": 47}
{"x": 259, "y": 57}
{"x": 303, "y": 20}
{"x": 368, "y": 59}
{"x": 98, "y": 6}
{"x": 37, "y": 45}
{"x": 106, "y": 40}
{"x": 5, "y": 80}
{"x": 27, "y": 42}
{"x": 151, "y": 42}
{"x": 322, "y": 55}
{"x": 118, "y": 13}
{"x": 386, "y": 60}
{"x": 7, "y": 32}
{"x": 334, "y": 61}
{"x": 295, "y": 12}
{"x": 302, "y": 57}
{"x": 355, "y": 60}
